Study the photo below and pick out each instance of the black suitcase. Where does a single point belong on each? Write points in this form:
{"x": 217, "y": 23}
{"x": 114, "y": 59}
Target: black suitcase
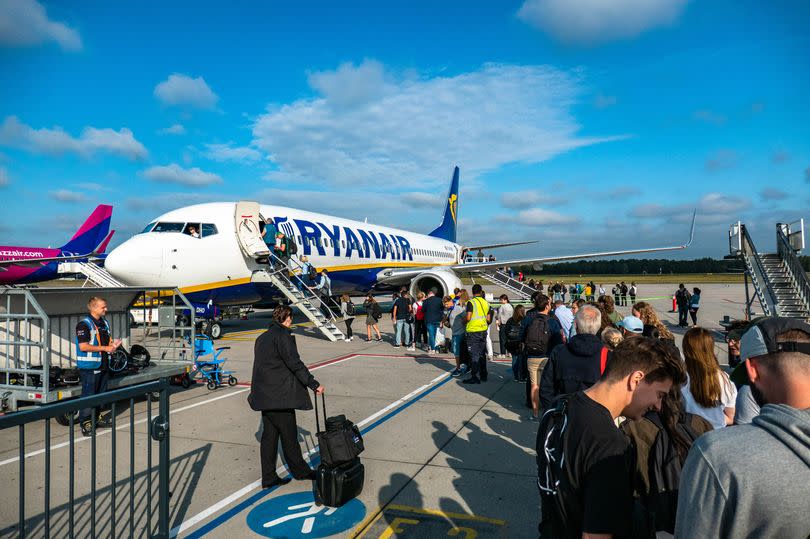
{"x": 336, "y": 485}
{"x": 340, "y": 442}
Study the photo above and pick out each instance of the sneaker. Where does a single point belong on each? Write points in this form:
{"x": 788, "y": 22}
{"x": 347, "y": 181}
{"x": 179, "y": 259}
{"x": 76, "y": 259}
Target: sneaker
{"x": 104, "y": 421}
{"x": 396, "y": 346}
{"x": 464, "y": 368}
{"x": 378, "y": 339}
{"x": 369, "y": 340}
{"x": 455, "y": 373}
{"x": 347, "y": 340}
{"x": 351, "y": 338}
{"x": 411, "y": 348}
{"x": 87, "y": 428}
{"x": 472, "y": 380}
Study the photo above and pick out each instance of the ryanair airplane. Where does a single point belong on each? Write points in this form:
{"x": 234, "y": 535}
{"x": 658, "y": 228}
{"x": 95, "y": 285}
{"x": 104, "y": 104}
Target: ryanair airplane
{"x": 212, "y": 252}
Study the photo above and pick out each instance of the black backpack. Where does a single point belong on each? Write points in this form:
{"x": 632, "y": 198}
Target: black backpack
{"x": 350, "y": 310}
{"x": 537, "y": 336}
{"x": 376, "y": 311}
{"x": 513, "y": 343}
{"x": 313, "y": 273}
{"x": 340, "y": 441}
{"x": 293, "y": 247}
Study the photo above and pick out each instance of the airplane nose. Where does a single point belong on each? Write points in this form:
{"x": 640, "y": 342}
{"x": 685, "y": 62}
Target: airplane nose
{"x": 137, "y": 261}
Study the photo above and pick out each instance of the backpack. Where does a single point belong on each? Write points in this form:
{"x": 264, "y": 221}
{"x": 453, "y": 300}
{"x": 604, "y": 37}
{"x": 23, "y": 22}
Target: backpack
{"x": 350, "y": 310}
{"x": 513, "y": 343}
{"x": 664, "y": 469}
{"x": 420, "y": 313}
{"x": 293, "y": 247}
{"x": 376, "y": 311}
{"x": 536, "y": 339}
{"x": 313, "y": 273}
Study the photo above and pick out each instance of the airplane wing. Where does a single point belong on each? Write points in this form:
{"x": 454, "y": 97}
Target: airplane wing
{"x": 394, "y": 275}
{"x": 34, "y": 262}
{"x": 499, "y": 245}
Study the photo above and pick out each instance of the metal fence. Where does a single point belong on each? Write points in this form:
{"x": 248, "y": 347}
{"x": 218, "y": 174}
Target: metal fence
{"x": 135, "y": 503}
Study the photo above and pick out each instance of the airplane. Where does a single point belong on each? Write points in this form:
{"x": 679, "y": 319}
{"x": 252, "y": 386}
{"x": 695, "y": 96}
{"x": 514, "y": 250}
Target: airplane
{"x": 26, "y": 265}
{"x": 220, "y": 266}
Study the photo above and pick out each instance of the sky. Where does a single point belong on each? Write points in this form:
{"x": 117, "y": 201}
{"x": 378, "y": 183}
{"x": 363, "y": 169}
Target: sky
{"x": 588, "y": 125}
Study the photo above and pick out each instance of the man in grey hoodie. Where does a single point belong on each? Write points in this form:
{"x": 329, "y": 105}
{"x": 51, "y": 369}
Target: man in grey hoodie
{"x": 754, "y": 480}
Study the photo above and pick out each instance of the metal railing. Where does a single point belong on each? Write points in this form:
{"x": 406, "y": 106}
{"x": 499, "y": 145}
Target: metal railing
{"x": 767, "y": 297}
{"x": 125, "y": 516}
{"x": 280, "y": 269}
{"x": 521, "y": 288}
{"x": 794, "y": 266}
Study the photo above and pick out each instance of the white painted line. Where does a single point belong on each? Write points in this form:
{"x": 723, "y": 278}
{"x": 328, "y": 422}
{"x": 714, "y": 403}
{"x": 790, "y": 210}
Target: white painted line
{"x": 225, "y": 502}
{"x": 145, "y": 419}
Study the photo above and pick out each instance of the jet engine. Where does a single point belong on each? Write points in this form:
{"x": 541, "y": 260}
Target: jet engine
{"x": 444, "y": 281}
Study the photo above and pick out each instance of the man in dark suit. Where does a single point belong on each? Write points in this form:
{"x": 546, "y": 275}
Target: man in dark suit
{"x": 278, "y": 388}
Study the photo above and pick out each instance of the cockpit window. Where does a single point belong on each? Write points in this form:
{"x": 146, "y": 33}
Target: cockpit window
{"x": 208, "y": 229}
{"x": 148, "y": 227}
{"x": 193, "y": 230}
{"x": 169, "y": 227}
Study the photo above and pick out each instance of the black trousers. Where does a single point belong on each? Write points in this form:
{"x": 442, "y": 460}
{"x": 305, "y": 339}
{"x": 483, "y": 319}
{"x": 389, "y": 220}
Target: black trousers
{"x": 281, "y": 423}
{"x": 349, "y": 327}
{"x": 477, "y": 346}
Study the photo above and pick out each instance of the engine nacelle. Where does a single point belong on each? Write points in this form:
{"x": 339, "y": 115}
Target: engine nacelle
{"x": 444, "y": 281}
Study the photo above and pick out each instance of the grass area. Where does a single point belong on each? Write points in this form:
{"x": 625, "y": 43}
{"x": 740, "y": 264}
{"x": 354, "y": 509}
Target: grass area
{"x": 609, "y": 280}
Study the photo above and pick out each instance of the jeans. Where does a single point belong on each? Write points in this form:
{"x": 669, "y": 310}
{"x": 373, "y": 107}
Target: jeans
{"x": 404, "y": 328}
{"x": 431, "y": 331}
{"x": 456, "y": 344}
{"x": 93, "y": 383}
{"x": 477, "y": 346}
{"x": 516, "y": 367}
{"x": 683, "y": 312}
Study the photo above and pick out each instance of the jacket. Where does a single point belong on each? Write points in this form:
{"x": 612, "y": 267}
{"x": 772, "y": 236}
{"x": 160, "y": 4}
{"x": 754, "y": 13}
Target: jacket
{"x": 280, "y": 379}
{"x": 570, "y": 368}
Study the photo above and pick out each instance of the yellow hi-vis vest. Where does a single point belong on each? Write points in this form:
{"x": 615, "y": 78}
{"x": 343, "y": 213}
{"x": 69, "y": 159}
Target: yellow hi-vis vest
{"x": 478, "y": 321}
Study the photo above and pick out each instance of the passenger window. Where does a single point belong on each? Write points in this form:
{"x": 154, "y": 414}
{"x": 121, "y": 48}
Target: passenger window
{"x": 148, "y": 227}
{"x": 169, "y": 227}
{"x": 209, "y": 229}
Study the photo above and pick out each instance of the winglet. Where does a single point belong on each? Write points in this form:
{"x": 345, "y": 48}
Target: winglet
{"x": 691, "y": 230}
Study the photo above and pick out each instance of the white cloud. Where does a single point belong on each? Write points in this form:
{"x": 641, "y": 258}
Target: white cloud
{"x": 227, "y": 152}
{"x": 539, "y": 217}
{"x": 25, "y": 23}
{"x": 586, "y": 22}
{"x": 367, "y": 128}
{"x": 527, "y": 199}
{"x": 16, "y": 134}
{"x": 181, "y": 89}
{"x": 65, "y": 195}
{"x": 712, "y": 208}
{"x": 174, "y": 173}
{"x": 422, "y": 199}
{"x": 176, "y": 129}
{"x": 4, "y": 180}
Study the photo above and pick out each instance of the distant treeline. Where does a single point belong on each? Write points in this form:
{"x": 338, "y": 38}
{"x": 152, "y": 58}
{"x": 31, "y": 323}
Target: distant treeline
{"x": 643, "y": 266}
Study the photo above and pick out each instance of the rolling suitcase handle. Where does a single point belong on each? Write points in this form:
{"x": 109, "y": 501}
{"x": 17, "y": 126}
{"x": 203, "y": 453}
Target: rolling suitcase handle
{"x": 323, "y": 405}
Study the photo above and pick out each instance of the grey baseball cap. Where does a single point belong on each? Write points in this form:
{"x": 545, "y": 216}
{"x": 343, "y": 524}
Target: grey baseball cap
{"x": 760, "y": 338}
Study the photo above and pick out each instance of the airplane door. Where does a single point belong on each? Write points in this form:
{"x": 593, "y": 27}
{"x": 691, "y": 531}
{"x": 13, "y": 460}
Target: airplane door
{"x": 247, "y": 229}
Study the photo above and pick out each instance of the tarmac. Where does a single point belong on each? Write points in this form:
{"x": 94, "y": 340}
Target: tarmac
{"x": 442, "y": 459}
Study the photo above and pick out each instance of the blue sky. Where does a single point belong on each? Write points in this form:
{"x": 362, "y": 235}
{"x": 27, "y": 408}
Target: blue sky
{"x": 586, "y": 124}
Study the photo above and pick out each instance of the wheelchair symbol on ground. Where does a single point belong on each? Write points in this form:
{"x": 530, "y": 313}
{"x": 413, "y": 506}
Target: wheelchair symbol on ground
{"x": 297, "y": 515}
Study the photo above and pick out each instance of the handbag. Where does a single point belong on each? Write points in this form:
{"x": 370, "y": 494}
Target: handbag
{"x": 340, "y": 441}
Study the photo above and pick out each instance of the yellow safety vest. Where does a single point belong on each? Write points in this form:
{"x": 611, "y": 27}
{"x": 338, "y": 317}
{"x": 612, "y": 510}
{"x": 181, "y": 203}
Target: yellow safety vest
{"x": 478, "y": 321}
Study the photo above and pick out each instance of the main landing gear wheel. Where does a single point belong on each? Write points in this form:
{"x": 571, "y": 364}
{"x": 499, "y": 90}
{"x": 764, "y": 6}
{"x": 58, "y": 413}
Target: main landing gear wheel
{"x": 214, "y": 330}
{"x": 212, "y": 385}
{"x": 232, "y": 381}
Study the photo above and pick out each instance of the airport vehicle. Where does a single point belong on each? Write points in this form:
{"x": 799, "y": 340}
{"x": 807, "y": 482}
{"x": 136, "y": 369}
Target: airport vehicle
{"x": 359, "y": 256}
{"x": 25, "y": 265}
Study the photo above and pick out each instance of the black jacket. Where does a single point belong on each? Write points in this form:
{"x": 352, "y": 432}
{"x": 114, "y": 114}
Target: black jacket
{"x": 280, "y": 379}
{"x": 570, "y": 368}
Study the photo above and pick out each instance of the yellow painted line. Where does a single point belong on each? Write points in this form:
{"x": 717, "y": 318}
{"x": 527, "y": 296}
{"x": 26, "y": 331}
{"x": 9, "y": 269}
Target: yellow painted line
{"x": 369, "y": 522}
{"x": 217, "y": 284}
{"x": 236, "y": 335}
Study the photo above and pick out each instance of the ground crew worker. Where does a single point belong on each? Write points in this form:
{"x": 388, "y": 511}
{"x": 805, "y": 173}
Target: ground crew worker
{"x": 479, "y": 317}
{"x": 93, "y": 348}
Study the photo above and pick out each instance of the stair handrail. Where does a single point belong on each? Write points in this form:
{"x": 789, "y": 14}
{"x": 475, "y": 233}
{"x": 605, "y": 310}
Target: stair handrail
{"x": 520, "y": 287}
{"x": 758, "y": 275}
{"x": 794, "y": 267}
{"x": 280, "y": 269}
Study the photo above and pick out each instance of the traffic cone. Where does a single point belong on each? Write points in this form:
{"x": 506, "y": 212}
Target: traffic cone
{"x": 674, "y": 304}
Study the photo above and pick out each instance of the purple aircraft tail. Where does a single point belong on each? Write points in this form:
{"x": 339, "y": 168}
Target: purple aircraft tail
{"x": 92, "y": 233}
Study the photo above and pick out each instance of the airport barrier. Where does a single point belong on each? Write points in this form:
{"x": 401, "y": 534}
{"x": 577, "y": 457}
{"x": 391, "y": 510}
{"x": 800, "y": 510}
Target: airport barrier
{"x": 128, "y": 501}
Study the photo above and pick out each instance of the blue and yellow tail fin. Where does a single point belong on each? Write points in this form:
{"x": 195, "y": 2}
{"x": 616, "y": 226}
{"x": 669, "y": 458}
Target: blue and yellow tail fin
{"x": 447, "y": 230}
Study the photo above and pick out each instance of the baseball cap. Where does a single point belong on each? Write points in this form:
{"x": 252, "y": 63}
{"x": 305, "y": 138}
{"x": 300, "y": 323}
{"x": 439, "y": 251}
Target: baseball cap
{"x": 632, "y": 324}
{"x": 760, "y": 338}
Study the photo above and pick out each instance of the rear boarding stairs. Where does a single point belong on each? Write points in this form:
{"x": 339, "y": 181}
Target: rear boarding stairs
{"x": 779, "y": 280}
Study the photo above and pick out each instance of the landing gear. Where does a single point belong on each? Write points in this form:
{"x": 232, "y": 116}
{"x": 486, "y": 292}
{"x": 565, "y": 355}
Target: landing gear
{"x": 214, "y": 330}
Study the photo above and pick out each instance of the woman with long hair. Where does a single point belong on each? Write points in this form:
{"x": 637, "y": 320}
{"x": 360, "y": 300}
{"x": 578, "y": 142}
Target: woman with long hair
{"x": 345, "y": 301}
{"x": 420, "y": 334}
{"x": 373, "y": 315}
{"x": 694, "y": 305}
{"x": 653, "y": 327}
{"x": 279, "y": 387}
{"x": 609, "y": 308}
{"x": 708, "y": 391}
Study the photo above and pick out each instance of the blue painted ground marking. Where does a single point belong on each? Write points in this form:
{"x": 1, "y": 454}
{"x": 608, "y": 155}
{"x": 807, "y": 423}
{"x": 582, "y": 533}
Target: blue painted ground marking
{"x": 227, "y": 515}
{"x": 297, "y": 515}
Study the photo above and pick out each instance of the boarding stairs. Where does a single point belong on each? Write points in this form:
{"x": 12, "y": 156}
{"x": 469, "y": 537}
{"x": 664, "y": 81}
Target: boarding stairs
{"x": 502, "y": 279}
{"x": 779, "y": 280}
{"x": 306, "y": 301}
{"x": 94, "y": 274}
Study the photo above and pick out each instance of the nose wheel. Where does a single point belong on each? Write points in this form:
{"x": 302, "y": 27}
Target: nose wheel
{"x": 214, "y": 330}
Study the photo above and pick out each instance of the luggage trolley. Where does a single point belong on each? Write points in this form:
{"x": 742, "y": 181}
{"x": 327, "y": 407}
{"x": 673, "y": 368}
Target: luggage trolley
{"x": 38, "y": 343}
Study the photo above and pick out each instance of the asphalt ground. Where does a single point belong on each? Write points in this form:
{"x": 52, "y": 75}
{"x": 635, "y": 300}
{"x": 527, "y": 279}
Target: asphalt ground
{"x": 442, "y": 459}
